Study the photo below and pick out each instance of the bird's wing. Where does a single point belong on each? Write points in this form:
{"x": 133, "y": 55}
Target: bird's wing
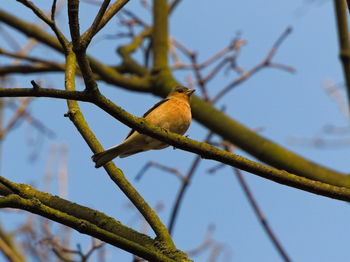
{"x": 149, "y": 111}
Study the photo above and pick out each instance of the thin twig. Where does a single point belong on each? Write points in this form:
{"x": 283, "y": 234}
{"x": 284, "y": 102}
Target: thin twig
{"x": 16, "y": 117}
{"x": 12, "y": 41}
{"x": 53, "y": 10}
{"x": 50, "y": 22}
{"x": 36, "y": 123}
{"x": 173, "y": 5}
{"x": 207, "y": 242}
{"x": 135, "y": 18}
{"x": 265, "y": 63}
{"x": 184, "y": 186}
{"x": 91, "y": 32}
{"x": 111, "y": 12}
{"x": 170, "y": 170}
{"x": 264, "y": 223}
{"x": 199, "y": 77}
{"x": 28, "y": 58}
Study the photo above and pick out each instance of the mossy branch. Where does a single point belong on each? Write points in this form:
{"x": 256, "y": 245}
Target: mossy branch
{"x": 249, "y": 141}
{"x": 82, "y": 219}
{"x": 115, "y": 174}
{"x": 107, "y": 73}
{"x": 160, "y": 34}
{"x": 341, "y": 192}
{"x": 341, "y": 15}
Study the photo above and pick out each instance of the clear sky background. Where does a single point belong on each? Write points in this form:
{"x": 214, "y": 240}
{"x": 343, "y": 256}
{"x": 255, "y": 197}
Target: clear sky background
{"x": 311, "y": 228}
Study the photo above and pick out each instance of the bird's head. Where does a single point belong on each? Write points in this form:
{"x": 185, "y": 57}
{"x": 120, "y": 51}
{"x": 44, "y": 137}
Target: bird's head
{"x": 181, "y": 92}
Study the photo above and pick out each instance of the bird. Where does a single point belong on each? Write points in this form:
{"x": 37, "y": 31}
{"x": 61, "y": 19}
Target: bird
{"x": 173, "y": 114}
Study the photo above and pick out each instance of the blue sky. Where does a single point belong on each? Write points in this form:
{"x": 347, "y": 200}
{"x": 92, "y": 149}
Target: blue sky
{"x": 311, "y": 228}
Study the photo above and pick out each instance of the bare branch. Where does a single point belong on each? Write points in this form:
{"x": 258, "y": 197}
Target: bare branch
{"x": 261, "y": 216}
{"x": 48, "y": 21}
{"x": 202, "y": 149}
{"x": 170, "y": 170}
{"x": 111, "y": 12}
{"x": 184, "y": 186}
{"x": 90, "y": 33}
{"x": 265, "y": 63}
{"x": 16, "y": 117}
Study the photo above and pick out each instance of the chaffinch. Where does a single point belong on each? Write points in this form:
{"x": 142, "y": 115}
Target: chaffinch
{"x": 173, "y": 114}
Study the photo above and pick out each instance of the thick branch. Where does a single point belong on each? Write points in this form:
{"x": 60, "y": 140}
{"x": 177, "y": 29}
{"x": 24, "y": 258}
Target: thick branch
{"x": 160, "y": 34}
{"x": 344, "y": 39}
{"x": 82, "y": 219}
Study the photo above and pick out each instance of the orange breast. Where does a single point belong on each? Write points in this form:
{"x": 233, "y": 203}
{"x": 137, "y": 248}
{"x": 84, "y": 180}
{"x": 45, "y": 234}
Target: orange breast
{"x": 173, "y": 115}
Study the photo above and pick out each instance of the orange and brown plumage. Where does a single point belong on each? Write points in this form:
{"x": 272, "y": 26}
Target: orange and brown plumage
{"x": 173, "y": 114}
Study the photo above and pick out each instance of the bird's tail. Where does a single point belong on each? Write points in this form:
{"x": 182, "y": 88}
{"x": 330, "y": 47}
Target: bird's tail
{"x": 103, "y": 157}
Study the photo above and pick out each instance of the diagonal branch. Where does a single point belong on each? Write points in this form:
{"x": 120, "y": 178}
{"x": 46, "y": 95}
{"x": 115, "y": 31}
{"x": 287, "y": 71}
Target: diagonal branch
{"x": 265, "y": 63}
{"x": 184, "y": 187}
{"x": 9, "y": 248}
{"x": 89, "y": 34}
{"x": 221, "y": 124}
{"x": 82, "y": 219}
{"x": 339, "y": 190}
{"x": 115, "y": 174}
{"x": 111, "y": 12}
{"x": 260, "y": 216}
{"x": 50, "y": 22}
{"x": 107, "y": 73}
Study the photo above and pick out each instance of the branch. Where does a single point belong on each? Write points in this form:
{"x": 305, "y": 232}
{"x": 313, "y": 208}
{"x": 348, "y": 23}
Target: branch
{"x": 90, "y": 33}
{"x": 111, "y": 12}
{"x": 83, "y": 219}
{"x": 50, "y": 22}
{"x": 107, "y": 73}
{"x": 9, "y": 248}
{"x": 184, "y": 186}
{"x": 78, "y": 47}
{"x": 73, "y": 15}
{"x": 221, "y": 124}
{"x": 173, "y": 5}
{"x": 344, "y": 40}
{"x": 339, "y": 191}
{"x": 128, "y": 63}
{"x": 30, "y": 69}
{"x": 265, "y": 63}
{"x": 160, "y": 34}
{"x": 102, "y": 18}
{"x": 20, "y": 112}
{"x": 115, "y": 174}
{"x": 261, "y": 216}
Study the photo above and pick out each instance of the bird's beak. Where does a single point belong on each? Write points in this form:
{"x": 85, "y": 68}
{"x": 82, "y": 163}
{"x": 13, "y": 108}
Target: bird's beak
{"x": 190, "y": 92}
